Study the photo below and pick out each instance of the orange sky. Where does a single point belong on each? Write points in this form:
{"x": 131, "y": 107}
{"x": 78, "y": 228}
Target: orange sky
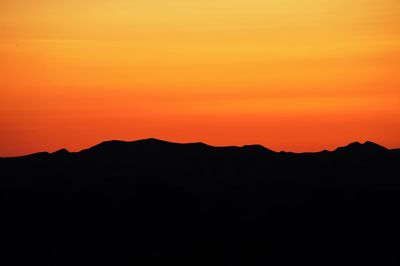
{"x": 301, "y": 75}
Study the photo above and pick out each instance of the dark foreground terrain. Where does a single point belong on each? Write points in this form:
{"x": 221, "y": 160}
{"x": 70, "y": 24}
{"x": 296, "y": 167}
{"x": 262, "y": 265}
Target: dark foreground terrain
{"x": 151, "y": 202}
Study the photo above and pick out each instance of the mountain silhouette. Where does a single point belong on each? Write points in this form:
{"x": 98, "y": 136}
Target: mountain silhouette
{"x": 153, "y": 202}
{"x": 356, "y": 148}
{"x": 117, "y": 147}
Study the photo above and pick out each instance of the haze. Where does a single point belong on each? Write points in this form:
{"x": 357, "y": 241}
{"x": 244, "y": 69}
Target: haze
{"x": 300, "y": 75}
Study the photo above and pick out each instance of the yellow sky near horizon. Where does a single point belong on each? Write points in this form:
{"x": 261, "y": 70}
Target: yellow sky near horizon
{"x": 291, "y": 75}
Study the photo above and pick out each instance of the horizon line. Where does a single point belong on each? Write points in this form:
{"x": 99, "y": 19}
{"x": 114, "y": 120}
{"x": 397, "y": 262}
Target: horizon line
{"x": 203, "y": 143}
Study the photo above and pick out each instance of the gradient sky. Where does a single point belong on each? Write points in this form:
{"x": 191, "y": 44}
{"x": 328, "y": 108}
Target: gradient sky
{"x": 295, "y": 75}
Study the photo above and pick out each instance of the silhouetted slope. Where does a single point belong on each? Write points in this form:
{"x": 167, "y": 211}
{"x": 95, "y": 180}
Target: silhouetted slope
{"x": 152, "y": 202}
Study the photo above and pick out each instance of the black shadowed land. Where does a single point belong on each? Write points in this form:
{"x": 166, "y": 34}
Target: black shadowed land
{"x": 152, "y": 202}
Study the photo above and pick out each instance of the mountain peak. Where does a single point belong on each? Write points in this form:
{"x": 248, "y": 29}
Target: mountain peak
{"x": 61, "y": 152}
{"x": 151, "y": 140}
{"x": 374, "y": 145}
{"x": 368, "y": 147}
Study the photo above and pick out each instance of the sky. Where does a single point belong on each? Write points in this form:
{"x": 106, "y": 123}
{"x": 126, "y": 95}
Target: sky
{"x": 302, "y": 75}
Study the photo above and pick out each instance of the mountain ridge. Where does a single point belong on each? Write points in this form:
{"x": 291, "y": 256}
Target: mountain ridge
{"x": 113, "y": 146}
{"x": 152, "y": 202}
